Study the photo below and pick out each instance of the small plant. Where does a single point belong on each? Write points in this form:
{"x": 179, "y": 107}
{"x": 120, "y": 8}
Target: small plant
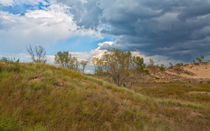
{"x": 151, "y": 61}
{"x": 162, "y": 67}
{"x": 170, "y": 65}
{"x": 179, "y": 64}
{"x": 199, "y": 60}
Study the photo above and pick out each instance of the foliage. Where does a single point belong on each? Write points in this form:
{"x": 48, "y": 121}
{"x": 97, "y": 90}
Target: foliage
{"x": 66, "y": 60}
{"x": 83, "y": 64}
{"x": 200, "y": 59}
{"x": 118, "y": 64}
{"x": 170, "y": 65}
{"x": 99, "y": 66}
{"x": 179, "y": 64}
{"x": 138, "y": 63}
{"x": 38, "y": 54}
{"x": 162, "y": 67}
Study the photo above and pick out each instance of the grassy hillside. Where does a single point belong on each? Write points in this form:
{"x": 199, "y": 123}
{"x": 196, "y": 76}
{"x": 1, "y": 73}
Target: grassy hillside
{"x": 42, "y": 97}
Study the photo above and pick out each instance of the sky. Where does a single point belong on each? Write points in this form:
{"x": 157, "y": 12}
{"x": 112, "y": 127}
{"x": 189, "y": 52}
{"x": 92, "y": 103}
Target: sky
{"x": 164, "y": 30}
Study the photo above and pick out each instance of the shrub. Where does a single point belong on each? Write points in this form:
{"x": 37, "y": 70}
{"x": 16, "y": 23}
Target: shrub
{"x": 66, "y": 60}
{"x": 199, "y": 60}
{"x": 118, "y": 65}
{"x": 162, "y": 67}
{"x": 170, "y": 65}
{"x": 138, "y": 63}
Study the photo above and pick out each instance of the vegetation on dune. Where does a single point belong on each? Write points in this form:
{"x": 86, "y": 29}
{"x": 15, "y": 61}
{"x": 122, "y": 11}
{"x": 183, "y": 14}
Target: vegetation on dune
{"x": 37, "y": 96}
{"x": 118, "y": 65}
{"x": 43, "y": 97}
{"x": 66, "y": 60}
{"x": 199, "y": 60}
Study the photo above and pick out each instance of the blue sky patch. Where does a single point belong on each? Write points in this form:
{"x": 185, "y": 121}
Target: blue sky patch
{"x": 23, "y": 8}
{"x": 77, "y": 44}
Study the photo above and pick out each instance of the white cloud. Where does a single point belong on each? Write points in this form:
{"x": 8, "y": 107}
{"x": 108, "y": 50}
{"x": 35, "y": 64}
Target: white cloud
{"x": 6, "y": 2}
{"x": 43, "y": 27}
{"x": 31, "y": 2}
{"x": 18, "y": 2}
{"x": 158, "y": 59}
{"x": 98, "y": 52}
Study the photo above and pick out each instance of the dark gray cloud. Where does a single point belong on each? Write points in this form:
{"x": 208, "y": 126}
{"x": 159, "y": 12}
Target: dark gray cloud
{"x": 178, "y": 29}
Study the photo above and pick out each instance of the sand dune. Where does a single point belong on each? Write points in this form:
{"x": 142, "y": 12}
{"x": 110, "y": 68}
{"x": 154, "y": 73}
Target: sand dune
{"x": 201, "y": 71}
{"x": 187, "y": 72}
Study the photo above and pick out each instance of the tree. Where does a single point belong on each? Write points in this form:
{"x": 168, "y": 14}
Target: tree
{"x": 98, "y": 64}
{"x": 62, "y": 58}
{"x": 151, "y": 61}
{"x": 38, "y": 54}
{"x": 83, "y": 64}
{"x": 73, "y": 63}
{"x": 66, "y": 60}
{"x": 116, "y": 63}
{"x": 138, "y": 63}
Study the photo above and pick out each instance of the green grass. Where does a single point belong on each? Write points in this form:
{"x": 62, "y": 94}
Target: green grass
{"x": 196, "y": 93}
{"x": 42, "y": 97}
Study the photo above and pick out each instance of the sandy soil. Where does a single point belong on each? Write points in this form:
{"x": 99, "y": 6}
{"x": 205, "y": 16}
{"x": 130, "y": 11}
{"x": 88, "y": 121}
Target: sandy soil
{"x": 201, "y": 71}
{"x": 186, "y": 73}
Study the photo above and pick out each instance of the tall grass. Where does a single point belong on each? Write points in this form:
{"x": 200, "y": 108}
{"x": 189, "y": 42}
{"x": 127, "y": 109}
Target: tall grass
{"x": 44, "y": 97}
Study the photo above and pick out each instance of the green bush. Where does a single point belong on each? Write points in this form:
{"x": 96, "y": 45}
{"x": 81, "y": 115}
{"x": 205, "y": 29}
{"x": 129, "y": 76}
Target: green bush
{"x": 162, "y": 67}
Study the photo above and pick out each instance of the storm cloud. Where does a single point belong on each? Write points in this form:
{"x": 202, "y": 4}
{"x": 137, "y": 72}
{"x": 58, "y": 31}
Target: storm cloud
{"x": 178, "y": 29}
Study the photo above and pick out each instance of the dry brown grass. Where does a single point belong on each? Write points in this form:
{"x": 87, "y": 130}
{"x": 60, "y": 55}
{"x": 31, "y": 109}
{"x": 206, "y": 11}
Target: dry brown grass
{"x": 43, "y": 97}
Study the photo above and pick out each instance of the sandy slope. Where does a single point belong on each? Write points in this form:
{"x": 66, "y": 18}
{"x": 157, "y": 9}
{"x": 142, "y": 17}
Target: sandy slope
{"x": 201, "y": 71}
